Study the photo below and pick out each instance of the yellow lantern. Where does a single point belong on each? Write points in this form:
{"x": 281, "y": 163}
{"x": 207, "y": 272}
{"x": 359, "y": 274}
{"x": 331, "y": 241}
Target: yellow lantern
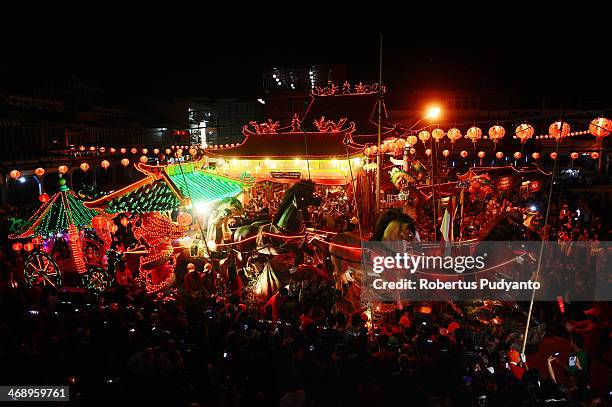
{"x": 145, "y": 151}
{"x": 15, "y": 174}
{"x": 600, "y": 127}
{"x": 84, "y": 167}
{"x": 144, "y": 159}
{"x": 424, "y": 136}
{"x": 474, "y": 133}
{"x": 412, "y": 151}
{"x": 438, "y": 134}
{"x": 524, "y": 132}
{"x": 62, "y": 169}
{"x": 559, "y": 130}
{"x": 411, "y": 140}
{"x": 496, "y": 133}
{"x": 428, "y": 152}
{"x": 400, "y": 143}
{"x": 193, "y": 151}
{"x": 125, "y": 162}
{"x": 481, "y": 154}
{"x": 499, "y": 155}
{"x": 105, "y": 164}
{"x": 453, "y": 135}
{"x": 168, "y": 151}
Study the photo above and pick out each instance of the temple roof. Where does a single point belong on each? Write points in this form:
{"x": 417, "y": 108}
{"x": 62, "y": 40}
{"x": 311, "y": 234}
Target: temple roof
{"x": 331, "y": 141}
{"x": 167, "y": 187}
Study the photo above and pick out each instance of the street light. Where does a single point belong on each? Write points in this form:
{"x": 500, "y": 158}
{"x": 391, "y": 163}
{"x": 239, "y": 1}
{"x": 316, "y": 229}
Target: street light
{"x": 433, "y": 112}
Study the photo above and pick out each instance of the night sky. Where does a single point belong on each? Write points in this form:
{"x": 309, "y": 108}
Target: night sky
{"x": 215, "y": 50}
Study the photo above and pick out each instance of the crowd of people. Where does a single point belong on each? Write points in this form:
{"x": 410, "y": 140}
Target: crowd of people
{"x": 203, "y": 345}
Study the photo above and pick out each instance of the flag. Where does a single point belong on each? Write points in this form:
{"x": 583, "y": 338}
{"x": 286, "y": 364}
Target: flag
{"x": 445, "y": 227}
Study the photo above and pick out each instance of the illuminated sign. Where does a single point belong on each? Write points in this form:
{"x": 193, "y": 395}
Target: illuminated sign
{"x": 286, "y": 174}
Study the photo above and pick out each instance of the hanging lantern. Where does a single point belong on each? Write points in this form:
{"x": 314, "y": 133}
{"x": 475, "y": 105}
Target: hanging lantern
{"x": 114, "y": 228}
{"x": 438, "y": 134}
{"x": 553, "y": 156}
{"x": 411, "y": 140}
{"x": 62, "y": 169}
{"x": 15, "y": 174}
{"x": 445, "y": 153}
{"x": 499, "y": 155}
{"x": 193, "y": 151}
{"x": 102, "y": 149}
{"x": 496, "y": 133}
{"x": 44, "y": 198}
{"x": 383, "y": 148}
{"x": 81, "y": 148}
{"x": 92, "y": 148}
{"x": 428, "y": 152}
{"x": 28, "y": 247}
{"x": 374, "y": 150}
{"x": 134, "y": 150}
{"x": 524, "y": 132}
{"x": 39, "y": 171}
{"x": 412, "y": 151}
{"x": 156, "y": 151}
{"x": 400, "y": 143}
{"x": 574, "y": 155}
{"x": 84, "y": 167}
{"x": 123, "y": 150}
{"x": 424, "y": 136}
{"x": 595, "y": 155}
{"x": 144, "y": 159}
{"x": 558, "y": 130}
{"x": 481, "y": 154}
{"x": 600, "y": 127}
{"x": 168, "y": 151}
{"x": 535, "y": 156}
{"x": 517, "y": 155}
{"x": 112, "y": 150}
{"x": 474, "y": 133}
{"x": 98, "y": 222}
{"x": 463, "y": 154}
{"x": 105, "y": 164}
{"x": 367, "y": 151}
{"x": 17, "y": 246}
{"x": 125, "y": 162}
{"x": 184, "y": 219}
{"x": 145, "y": 151}
{"x": 125, "y": 221}
{"x": 179, "y": 151}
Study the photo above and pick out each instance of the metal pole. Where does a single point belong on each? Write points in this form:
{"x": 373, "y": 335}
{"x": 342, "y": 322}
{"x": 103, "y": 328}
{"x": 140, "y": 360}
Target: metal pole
{"x": 550, "y": 191}
{"x": 378, "y": 158}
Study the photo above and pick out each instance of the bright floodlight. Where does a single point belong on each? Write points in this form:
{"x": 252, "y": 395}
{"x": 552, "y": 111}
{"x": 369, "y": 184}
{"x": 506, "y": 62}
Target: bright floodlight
{"x": 433, "y": 112}
{"x": 202, "y": 207}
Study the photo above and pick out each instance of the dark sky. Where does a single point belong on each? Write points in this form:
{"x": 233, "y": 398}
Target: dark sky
{"x": 221, "y": 48}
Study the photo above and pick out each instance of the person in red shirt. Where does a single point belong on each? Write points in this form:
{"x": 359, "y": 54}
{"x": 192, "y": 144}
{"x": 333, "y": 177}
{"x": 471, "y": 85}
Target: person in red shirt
{"x": 192, "y": 280}
{"x": 123, "y": 276}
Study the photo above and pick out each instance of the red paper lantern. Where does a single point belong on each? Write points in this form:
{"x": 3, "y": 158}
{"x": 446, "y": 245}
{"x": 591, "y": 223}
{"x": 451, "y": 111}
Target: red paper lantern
{"x": 558, "y": 129}
{"x": 481, "y": 154}
{"x": 15, "y": 174}
{"x": 92, "y": 148}
{"x": 17, "y": 246}
{"x": 168, "y": 151}
{"x": 28, "y": 247}
{"x": 474, "y": 133}
{"x": 574, "y": 155}
{"x": 81, "y": 148}
{"x": 499, "y": 155}
{"x": 553, "y": 156}
{"x": 156, "y": 151}
{"x": 496, "y": 133}
{"x": 44, "y": 198}
{"x": 105, "y": 164}
{"x": 144, "y": 159}
{"x": 114, "y": 228}
{"x": 99, "y": 222}
{"x": 125, "y": 162}
{"x": 134, "y": 150}
{"x": 112, "y": 150}
{"x": 518, "y": 155}
{"x": 463, "y": 154}
{"x": 84, "y": 166}
{"x": 594, "y": 155}
{"x": 600, "y": 127}
{"x": 62, "y": 169}
{"x": 39, "y": 171}
{"x": 123, "y": 150}
{"x": 445, "y": 153}
{"x": 535, "y": 156}
{"x": 145, "y": 151}
{"x": 102, "y": 149}
{"x": 184, "y": 219}
{"x": 125, "y": 221}
{"x": 428, "y": 152}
